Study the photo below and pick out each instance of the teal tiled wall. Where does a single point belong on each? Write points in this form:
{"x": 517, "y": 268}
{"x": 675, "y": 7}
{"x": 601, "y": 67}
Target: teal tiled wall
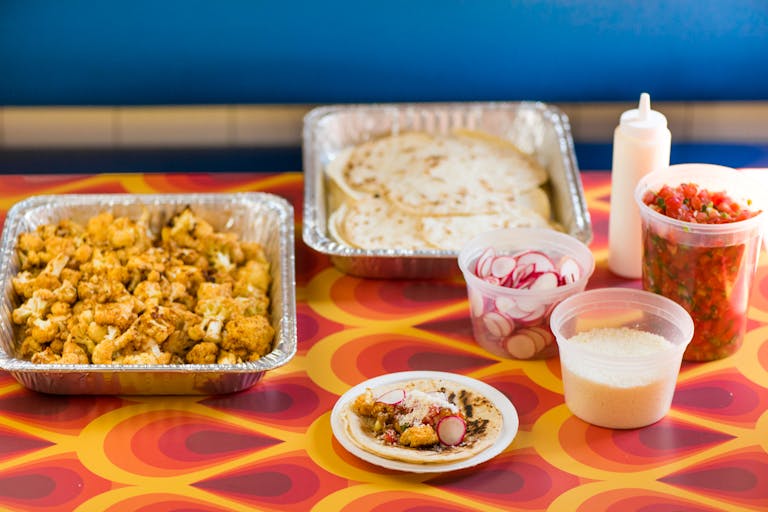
{"x": 154, "y": 52}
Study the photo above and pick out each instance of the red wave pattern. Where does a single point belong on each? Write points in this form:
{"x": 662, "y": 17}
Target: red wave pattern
{"x": 623, "y": 500}
{"x": 55, "y": 483}
{"x": 635, "y": 449}
{"x": 382, "y": 299}
{"x": 376, "y": 354}
{"x": 291, "y": 402}
{"x": 725, "y": 396}
{"x": 290, "y": 482}
{"x": 161, "y": 444}
{"x": 66, "y": 414}
{"x": 522, "y": 478}
{"x": 737, "y": 477}
{"x": 402, "y": 501}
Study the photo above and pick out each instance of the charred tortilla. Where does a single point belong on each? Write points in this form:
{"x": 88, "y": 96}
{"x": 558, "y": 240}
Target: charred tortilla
{"x": 483, "y": 421}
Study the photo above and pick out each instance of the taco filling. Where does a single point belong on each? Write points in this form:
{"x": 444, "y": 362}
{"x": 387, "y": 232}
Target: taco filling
{"x": 423, "y": 422}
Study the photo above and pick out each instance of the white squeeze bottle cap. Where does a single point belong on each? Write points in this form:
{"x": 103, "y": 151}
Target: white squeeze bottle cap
{"x": 641, "y": 144}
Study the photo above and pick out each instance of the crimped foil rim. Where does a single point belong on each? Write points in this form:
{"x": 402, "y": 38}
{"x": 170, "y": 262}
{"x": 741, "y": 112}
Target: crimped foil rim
{"x": 286, "y": 340}
{"x": 322, "y": 243}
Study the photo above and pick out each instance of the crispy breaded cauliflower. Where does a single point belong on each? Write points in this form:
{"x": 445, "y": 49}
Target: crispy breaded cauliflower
{"x": 112, "y": 293}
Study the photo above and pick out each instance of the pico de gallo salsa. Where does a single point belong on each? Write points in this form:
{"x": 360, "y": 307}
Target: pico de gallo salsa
{"x": 711, "y": 282}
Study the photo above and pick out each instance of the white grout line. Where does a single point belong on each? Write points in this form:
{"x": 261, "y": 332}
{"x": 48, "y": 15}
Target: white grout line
{"x": 280, "y": 125}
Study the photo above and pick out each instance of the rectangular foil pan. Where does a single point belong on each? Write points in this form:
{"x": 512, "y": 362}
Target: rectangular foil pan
{"x": 256, "y": 217}
{"x": 539, "y": 129}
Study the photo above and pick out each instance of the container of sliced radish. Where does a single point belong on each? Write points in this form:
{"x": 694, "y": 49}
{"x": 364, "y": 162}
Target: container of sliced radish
{"x": 515, "y": 277}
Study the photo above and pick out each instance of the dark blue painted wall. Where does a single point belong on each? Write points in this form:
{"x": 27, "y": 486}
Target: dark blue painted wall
{"x": 129, "y": 52}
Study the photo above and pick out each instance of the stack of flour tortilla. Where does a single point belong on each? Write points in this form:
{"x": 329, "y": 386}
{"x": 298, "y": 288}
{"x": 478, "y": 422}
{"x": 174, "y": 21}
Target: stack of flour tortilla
{"x": 416, "y": 191}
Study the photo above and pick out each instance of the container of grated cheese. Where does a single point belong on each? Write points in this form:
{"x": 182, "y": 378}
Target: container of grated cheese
{"x": 620, "y": 354}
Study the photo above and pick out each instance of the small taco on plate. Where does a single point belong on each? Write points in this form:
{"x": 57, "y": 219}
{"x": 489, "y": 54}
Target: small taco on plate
{"x": 423, "y": 421}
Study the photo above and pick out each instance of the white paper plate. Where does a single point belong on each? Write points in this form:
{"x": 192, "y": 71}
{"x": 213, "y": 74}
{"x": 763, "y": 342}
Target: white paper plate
{"x": 509, "y": 427}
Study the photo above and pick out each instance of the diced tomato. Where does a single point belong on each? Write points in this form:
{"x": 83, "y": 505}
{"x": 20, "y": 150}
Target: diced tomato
{"x": 390, "y": 436}
{"x": 711, "y": 283}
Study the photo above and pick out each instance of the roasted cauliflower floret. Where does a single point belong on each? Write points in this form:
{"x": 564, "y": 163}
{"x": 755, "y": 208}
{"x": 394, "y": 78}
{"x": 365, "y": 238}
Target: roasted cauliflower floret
{"x": 98, "y": 289}
{"x": 363, "y": 404}
{"x": 419, "y": 435}
{"x": 30, "y": 242}
{"x": 252, "y": 278}
{"x": 150, "y": 293}
{"x": 97, "y": 227}
{"x": 205, "y": 352}
{"x": 215, "y": 305}
{"x": 26, "y": 282}
{"x": 224, "y": 252}
{"x": 45, "y": 330}
{"x": 48, "y": 242}
{"x": 108, "y": 293}
{"x": 187, "y": 230}
{"x": 248, "y": 337}
{"x": 72, "y": 353}
{"x": 119, "y": 314}
{"x": 179, "y": 342}
{"x": 35, "y": 307}
{"x": 226, "y": 357}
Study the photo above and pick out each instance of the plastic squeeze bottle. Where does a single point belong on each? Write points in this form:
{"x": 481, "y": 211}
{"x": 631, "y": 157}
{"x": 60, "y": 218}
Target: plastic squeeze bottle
{"x": 641, "y": 144}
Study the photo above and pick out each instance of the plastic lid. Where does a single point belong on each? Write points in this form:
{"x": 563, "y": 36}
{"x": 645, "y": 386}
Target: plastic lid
{"x": 642, "y": 121}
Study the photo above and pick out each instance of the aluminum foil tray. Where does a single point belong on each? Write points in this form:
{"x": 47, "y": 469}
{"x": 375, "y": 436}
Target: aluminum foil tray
{"x": 537, "y": 128}
{"x": 259, "y": 217}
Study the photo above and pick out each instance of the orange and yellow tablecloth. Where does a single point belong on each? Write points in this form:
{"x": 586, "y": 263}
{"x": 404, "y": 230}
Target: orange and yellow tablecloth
{"x": 271, "y": 447}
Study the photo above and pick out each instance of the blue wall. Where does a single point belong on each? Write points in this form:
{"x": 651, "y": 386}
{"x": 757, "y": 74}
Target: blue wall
{"x": 101, "y": 52}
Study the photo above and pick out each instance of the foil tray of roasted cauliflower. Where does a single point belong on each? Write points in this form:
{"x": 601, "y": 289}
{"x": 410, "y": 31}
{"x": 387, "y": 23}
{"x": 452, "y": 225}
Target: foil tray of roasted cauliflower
{"x": 147, "y": 294}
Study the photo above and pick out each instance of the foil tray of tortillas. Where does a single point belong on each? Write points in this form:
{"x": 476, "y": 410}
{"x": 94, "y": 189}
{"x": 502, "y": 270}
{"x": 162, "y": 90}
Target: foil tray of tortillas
{"x": 378, "y": 161}
{"x": 253, "y": 216}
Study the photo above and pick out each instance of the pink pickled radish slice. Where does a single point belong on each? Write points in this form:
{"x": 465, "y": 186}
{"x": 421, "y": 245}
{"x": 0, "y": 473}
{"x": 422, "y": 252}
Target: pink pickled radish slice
{"x": 545, "y": 281}
{"x": 392, "y": 397}
{"x": 492, "y": 280}
{"x": 544, "y": 333}
{"x": 508, "y": 307}
{"x": 569, "y": 270}
{"x": 451, "y": 430}
{"x": 527, "y": 280}
{"x": 497, "y": 325}
{"x": 534, "y": 316}
{"x": 520, "y": 346}
{"x": 540, "y": 261}
{"x": 520, "y": 273}
{"x": 502, "y": 266}
{"x": 528, "y": 305}
{"x": 539, "y": 341}
{"x": 483, "y": 265}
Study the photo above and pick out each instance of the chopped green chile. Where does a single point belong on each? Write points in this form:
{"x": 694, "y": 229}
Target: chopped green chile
{"x": 711, "y": 283}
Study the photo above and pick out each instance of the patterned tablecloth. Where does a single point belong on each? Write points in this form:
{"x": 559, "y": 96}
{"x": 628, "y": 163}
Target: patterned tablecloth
{"x": 271, "y": 447}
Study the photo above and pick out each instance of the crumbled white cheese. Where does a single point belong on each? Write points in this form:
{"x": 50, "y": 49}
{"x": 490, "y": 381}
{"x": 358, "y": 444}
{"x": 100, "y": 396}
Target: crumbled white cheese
{"x": 419, "y": 403}
{"x": 621, "y": 341}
